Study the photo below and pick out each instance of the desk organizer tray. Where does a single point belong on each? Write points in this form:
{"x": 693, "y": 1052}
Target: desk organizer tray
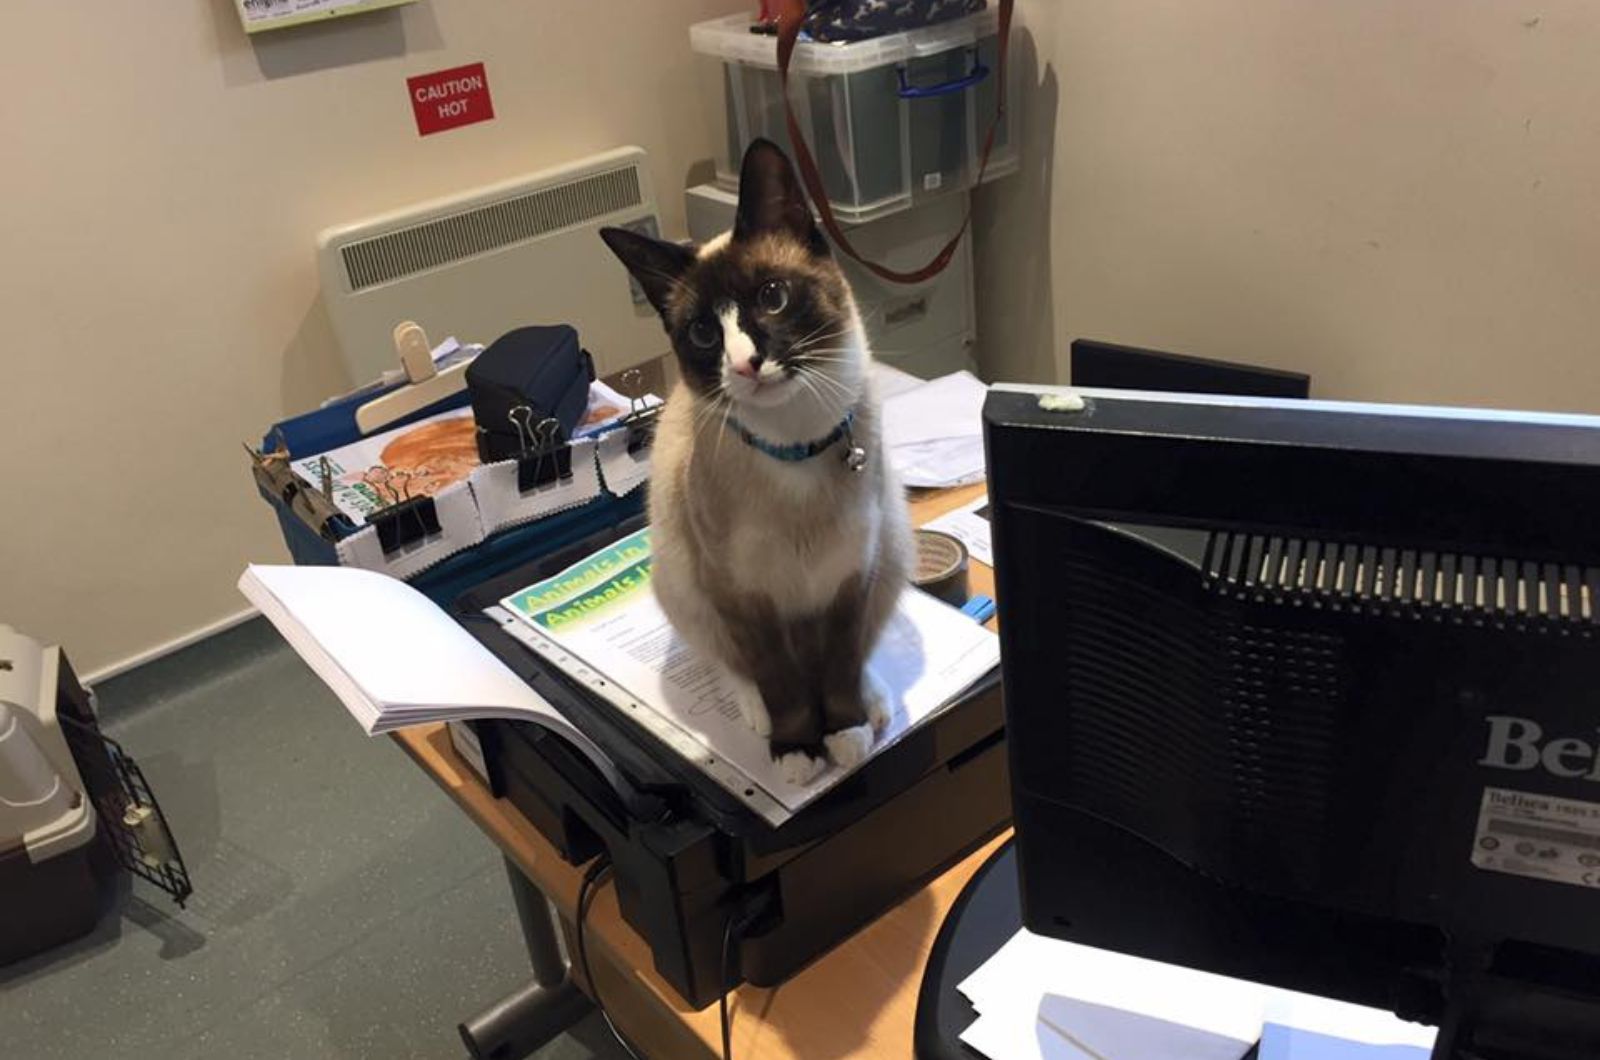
{"x": 464, "y": 532}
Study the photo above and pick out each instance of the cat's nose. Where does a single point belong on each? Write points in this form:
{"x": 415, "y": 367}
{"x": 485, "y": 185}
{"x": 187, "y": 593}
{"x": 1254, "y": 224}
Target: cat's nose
{"x": 746, "y": 367}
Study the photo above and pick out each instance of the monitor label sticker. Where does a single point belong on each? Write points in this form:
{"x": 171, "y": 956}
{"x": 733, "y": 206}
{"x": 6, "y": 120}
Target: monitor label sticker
{"x": 1538, "y": 836}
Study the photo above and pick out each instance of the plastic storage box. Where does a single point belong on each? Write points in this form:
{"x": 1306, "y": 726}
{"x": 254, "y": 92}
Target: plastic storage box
{"x": 891, "y": 121}
{"x": 54, "y": 877}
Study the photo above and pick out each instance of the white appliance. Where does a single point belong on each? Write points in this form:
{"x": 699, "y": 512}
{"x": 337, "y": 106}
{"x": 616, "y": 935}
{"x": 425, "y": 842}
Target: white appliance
{"x": 477, "y": 264}
{"x": 927, "y": 329}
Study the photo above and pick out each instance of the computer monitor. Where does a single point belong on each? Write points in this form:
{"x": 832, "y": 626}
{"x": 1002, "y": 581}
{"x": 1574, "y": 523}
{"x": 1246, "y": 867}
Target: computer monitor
{"x": 1108, "y": 365}
{"x": 1307, "y": 693}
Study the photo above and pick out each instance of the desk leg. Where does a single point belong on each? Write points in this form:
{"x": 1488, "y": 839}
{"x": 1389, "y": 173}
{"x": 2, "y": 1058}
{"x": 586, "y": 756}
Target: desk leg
{"x": 531, "y": 1015}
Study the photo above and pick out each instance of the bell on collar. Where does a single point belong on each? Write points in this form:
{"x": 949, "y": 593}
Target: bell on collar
{"x": 855, "y": 458}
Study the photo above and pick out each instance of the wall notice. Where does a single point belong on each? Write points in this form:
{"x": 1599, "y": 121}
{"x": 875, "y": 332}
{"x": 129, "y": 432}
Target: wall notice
{"x": 450, "y": 98}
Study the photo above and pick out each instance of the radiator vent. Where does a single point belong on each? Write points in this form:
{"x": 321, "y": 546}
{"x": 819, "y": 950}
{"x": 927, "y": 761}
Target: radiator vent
{"x": 1384, "y": 580}
{"x": 490, "y": 226}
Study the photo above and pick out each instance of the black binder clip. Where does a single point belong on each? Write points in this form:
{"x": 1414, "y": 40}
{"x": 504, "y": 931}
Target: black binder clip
{"x": 276, "y": 479}
{"x": 407, "y": 519}
{"x": 545, "y": 457}
{"x": 641, "y": 418}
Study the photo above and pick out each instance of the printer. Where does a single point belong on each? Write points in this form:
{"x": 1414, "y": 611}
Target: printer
{"x": 688, "y": 858}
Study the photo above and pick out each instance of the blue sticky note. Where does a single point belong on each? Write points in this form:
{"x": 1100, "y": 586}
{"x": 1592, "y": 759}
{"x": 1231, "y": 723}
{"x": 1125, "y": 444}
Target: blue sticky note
{"x": 1287, "y": 1043}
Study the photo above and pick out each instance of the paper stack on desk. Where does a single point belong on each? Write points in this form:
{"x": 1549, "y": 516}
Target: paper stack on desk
{"x": 1042, "y": 999}
{"x": 393, "y": 657}
{"x": 600, "y": 617}
{"x": 934, "y": 432}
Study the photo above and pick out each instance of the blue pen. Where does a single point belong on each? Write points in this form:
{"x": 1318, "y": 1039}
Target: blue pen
{"x": 979, "y": 608}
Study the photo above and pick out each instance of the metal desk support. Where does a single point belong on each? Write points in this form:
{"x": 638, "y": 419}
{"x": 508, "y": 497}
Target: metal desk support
{"x": 531, "y": 1015}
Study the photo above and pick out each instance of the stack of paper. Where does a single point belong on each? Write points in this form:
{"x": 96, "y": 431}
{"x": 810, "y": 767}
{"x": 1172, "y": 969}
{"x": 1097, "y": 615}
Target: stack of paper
{"x": 1041, "y": 999}
{"x": 392, "y": 656}
{"x": 934, "y": 432}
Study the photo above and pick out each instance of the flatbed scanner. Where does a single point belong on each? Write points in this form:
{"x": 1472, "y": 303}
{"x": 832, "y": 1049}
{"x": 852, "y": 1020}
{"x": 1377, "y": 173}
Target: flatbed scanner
{"x": 688, "y": 858}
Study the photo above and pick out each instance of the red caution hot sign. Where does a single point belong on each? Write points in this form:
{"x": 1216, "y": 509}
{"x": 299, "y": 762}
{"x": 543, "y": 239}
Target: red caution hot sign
{"x": 444, "y": 100}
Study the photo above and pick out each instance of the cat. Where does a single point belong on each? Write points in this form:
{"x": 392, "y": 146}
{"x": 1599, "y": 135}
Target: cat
{"x": 781, "y": 534}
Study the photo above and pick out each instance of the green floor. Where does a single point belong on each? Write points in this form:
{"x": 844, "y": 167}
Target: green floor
{"x": 343, "y": 906}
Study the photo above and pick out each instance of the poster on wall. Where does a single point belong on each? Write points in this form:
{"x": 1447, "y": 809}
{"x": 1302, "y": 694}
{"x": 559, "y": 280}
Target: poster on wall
{"x": 258, "y": 15}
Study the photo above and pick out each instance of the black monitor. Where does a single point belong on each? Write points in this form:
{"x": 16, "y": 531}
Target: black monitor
{"x": 1309, "y": 694}
{"x": 1108, "y": 365}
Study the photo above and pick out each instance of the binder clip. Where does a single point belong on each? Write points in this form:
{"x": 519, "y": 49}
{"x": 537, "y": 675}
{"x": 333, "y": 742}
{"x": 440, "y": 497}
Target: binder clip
{"x": 641, "y": 418}
{"x": 406, "y": 520}
{"x": 273, "y": 476}
{"x": 545, "y": 456}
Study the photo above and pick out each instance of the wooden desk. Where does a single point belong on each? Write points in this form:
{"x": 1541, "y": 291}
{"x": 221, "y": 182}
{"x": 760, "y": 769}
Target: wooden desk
{"x": 857, "y": 1000}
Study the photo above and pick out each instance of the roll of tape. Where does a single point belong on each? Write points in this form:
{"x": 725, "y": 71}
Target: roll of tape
{"x": 941, "y": 567}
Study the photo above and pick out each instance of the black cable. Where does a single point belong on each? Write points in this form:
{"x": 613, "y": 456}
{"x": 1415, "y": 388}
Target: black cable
{"x": 600, "y": 868}
{"x": 722, "y": 999}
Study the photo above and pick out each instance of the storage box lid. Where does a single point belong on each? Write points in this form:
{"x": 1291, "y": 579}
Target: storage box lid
{"x": 729, "y": 38}
{"x": 42, "y": 803}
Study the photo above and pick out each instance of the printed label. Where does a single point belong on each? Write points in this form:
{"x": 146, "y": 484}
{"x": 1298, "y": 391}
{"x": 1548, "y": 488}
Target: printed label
{"x": 1538, "y": 836}
{"x": 932, "y": 181}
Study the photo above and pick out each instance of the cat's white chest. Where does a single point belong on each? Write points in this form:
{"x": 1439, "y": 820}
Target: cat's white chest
{"x": 801, "y": 553}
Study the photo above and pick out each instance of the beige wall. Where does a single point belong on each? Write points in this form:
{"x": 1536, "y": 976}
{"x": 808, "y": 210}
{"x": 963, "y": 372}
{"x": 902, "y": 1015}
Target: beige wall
{"x": 1402, "y": 198}
{"x": 164, "y": 178}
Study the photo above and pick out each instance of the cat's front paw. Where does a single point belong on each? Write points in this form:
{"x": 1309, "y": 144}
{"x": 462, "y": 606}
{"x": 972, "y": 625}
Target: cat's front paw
{"x": 752, "y": 708}
{"x": 800, "y": 767}
{"x": 849, "y": 747}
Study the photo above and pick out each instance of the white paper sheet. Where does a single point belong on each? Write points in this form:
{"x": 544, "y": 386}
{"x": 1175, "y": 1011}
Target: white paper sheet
{"x": 934, "y": 432}
{"x": 1032, "y": 977}
{"x": 928, "y": 655}
{"x": 268, "y": 10}
{"x": 501, "y": 504}
{"x": 460, "y": 527}
{"x": 622, "y": 471}
{"x": 431, "y": 454}
{"x": 887, "y": 380}
{"x": 392, "y": 656}
{"x": 969, "y": 523}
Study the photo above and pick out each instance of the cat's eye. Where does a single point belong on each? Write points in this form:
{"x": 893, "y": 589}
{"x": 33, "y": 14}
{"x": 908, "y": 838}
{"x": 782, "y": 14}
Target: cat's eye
{"x": 773, "y": 298}
{"x": 704, "y": 334}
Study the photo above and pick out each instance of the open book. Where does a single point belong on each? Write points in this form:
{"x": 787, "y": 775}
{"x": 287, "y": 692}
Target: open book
{"x": 393, "y": 657}
{"x": 600, "y": 616}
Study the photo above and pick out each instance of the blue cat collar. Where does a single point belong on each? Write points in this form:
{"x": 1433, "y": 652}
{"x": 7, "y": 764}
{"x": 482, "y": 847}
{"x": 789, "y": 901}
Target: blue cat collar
{"x": 794, "y": 452}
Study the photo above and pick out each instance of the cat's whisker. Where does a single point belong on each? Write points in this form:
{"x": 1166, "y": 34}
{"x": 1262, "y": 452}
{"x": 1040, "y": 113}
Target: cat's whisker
{"x": 807, "y": 380}
{"x": 867, "y": 310}
{"x": 811, "y": 374}
{"x": 846, "y": 395}
{"x": 722, "y": 431}
{"x": 812, "y": 334}
{"x": 819, "y": 348}
{"x": 814, "y": 338}
{"x": 828, "y": 361}
{"x": 704, "y": 412}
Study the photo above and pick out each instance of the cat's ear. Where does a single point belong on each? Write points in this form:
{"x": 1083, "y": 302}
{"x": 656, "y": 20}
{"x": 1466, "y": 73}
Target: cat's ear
{"x": 657, "y": 264}
{"x": 771, "y": 200}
